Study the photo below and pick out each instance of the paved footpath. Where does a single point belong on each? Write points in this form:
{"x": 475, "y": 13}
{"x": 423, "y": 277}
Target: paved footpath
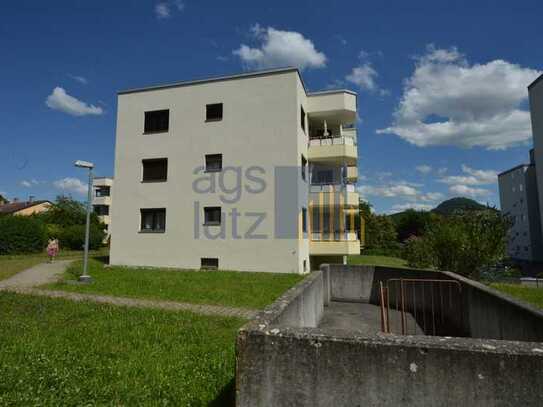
{"x": 25, "y": 281}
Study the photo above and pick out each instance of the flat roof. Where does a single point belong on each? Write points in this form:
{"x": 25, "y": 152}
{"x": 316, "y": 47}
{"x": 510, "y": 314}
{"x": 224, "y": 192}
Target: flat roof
{"x": 538, "y": 79}
{"x": 243, "y": 75}
{"x": 514, "y": 168}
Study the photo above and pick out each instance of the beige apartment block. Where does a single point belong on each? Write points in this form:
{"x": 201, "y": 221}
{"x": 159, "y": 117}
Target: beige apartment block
{"x": 248, "y": 172}
{"x": 101, "y": 201}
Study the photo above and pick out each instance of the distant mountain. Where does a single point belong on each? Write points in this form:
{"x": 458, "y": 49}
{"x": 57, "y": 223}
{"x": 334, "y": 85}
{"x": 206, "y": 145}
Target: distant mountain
{"x": 453, "y": 205}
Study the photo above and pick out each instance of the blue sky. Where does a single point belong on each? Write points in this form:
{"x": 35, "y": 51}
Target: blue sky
{"x": 442, "y": 85}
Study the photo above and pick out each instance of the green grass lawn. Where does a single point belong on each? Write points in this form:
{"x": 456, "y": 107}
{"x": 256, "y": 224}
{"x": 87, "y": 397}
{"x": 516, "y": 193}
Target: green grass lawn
{"x": 10, "y": 265}
{"x": 56, "y": 352}
{"x": 236, "y": 289}
{"x": 531, "y": 295}
{"x": 376, "y": 261}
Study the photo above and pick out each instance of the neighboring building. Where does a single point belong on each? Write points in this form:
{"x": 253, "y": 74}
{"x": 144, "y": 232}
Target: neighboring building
{"x": 521, "y": 190}
{"x": 519, "y": 200}
{"x": 3, "y": 200}
{"x": 101, "y": 201}
{"x": 247, "y": 172}
{"x": 25, "y": 208}
{"x": 535, "y": 91}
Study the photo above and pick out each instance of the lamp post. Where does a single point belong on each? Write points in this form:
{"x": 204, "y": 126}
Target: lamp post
{"x": 85, "y": 278}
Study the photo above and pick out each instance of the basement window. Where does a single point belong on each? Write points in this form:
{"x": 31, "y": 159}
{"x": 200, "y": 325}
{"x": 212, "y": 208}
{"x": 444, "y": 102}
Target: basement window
{"x": 153, "y": 220}
{"x": 212, "y": 215}
{"x": 213, "y": 162}
{"x": 155, "y": 170}
{"x": 157, "y": 121}
{"x": 209, "y": 263}
{"x": 213, "y": 112}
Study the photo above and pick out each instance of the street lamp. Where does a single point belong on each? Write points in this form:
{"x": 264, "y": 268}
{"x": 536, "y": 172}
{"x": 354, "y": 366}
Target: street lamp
{"x": 85, "y": 278}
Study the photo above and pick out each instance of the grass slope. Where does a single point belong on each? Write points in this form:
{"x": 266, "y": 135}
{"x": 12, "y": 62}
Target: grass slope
{"x": 56, "y": 352}
{"x": 376, "y": 261}
{"x": 230, "y": 288}
{"x": 530, "y": 295}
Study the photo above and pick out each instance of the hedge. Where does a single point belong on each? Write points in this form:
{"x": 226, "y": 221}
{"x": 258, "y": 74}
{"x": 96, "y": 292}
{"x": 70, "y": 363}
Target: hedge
{"x": 21, "y": 234}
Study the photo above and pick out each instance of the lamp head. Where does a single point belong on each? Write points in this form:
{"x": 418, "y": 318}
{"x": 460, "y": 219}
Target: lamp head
{"x": 84, "y": 164}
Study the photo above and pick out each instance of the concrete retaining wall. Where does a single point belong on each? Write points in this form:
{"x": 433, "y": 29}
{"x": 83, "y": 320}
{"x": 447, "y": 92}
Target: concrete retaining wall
{"x": 284, "y": 360}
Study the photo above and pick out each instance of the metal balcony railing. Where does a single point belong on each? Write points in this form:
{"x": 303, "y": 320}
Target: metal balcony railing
{"x": 336, "y": 236}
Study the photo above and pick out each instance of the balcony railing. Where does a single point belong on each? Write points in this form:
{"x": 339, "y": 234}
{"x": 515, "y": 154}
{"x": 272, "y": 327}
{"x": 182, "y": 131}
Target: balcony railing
{"x": 336, "y": 236}
{"x": 335, "y": 187}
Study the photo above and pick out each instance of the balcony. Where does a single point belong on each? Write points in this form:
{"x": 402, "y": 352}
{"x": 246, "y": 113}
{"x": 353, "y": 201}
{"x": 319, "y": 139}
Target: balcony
{"x": 343, "y": 195}
{"x": 105, "y": 219}
{"x": 101, "y": 200}
{"x": 336, "y": 243}
{"x": 338, "y": 147}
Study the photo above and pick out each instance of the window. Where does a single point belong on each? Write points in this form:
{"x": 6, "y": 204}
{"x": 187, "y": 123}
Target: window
{"x": 157, "y": 121}
{"x": 209, "y": 263}
{"x": 101, "y": 210}
{"x": 213, "y": 112}
{"x": 212, "y": 215}
{"x": 302, "y": 118}
{"x": 322, "y": 177}
{"x": 304, "y": 165}
{"x": 102, "y": 191}
{"x": 304, "y": 220}
{"x": 155, "y": 170}
{"x": 213, "y": 162}
{"x": 305, "y": 266}
{"x": 153, "y": 220}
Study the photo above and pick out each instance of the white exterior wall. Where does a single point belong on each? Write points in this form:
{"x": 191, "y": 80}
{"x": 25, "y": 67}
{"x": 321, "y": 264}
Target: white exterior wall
{"x": 260, "y": 127}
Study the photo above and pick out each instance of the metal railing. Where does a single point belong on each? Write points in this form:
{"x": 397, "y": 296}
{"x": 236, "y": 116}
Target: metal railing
{"x": 334, "y": 236}
{"x": 316, "y": 188}
{"x": 409, "y": 306}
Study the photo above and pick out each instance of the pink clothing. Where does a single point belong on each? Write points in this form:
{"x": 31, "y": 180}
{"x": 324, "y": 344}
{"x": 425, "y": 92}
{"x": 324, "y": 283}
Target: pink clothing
{"x": 52, "y": 249}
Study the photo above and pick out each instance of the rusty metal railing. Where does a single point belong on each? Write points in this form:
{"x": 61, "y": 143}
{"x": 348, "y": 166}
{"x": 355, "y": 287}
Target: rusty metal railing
{"x": 419, "y": 306}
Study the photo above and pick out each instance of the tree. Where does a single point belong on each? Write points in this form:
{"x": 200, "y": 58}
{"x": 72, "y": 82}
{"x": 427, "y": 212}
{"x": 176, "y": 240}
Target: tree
{"x": 412, "y": 223}
{"x": 466, "y": 242}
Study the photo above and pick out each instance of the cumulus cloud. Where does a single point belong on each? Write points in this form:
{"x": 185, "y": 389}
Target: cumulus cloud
{"x": 423, "y": 169}
{"x": 471, "y": 176}
{"x": 60, "y": 100}
{"x": 448, "y": 101}
{"x": 469, "y": 191}
{"x": 69, "y": 184}
{"x": 388, "y": 191}
{"x": 279, "y": 48}
{"x": 163, "y": 9}
{"x": 363, "y": 76}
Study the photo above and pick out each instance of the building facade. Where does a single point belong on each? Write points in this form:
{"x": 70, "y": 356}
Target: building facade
{"x": 521, "y": 190}
{"x": 24, "y": 208}
{"x": 519, "y": 201}
{"x": 248, "y": 172}
{"x": 101, "y": 201}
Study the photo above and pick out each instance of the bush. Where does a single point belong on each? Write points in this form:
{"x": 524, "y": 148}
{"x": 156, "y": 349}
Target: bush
{"x": 21, "y": 234}
{"x": 393, "y": 249}
{"x": 418, "y": 252}
{"x": 73, "y": 237}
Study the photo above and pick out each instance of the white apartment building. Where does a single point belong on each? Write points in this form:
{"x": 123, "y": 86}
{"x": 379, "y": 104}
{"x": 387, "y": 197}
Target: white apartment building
{"x": 248, "y": 172}
{"x": 101, "y": 201}
{"x": 521, "y": 190}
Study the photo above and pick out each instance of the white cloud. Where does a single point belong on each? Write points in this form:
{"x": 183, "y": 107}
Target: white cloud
{"x": 363, "y": 76}
{"x": 29, "y": 183}
{"x": 469, "y": 191}
{"x": 442, "y": 171}
{"x": 431, "y": 196}
{"x": 471, "y": 177}
{"x": 163, "y": 9}
{"x": 280, "y": 48}
{"x": 388, "y": 191}
{"x": 448, "y": 101}
{"x": 60, "y": 100}
{"x": 423, "y": 169}
{"x": 80, "y": 79}
{"x": 69, "y": 184}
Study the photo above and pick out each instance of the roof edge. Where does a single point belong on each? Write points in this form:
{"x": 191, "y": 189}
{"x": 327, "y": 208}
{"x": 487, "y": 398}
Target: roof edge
{"x": 516, "y": 167}
{"x": 331, "y": 91}
{"x": 215, "y": 79}
{"x": 536, "y": 81}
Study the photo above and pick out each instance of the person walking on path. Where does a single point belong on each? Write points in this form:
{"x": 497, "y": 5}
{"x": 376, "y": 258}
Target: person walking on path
{"x": 52, "y": 249}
